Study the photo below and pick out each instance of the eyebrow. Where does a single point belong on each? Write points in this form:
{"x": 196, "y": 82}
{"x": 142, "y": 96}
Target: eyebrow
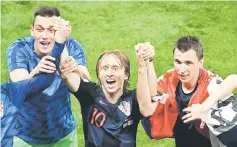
{"x": 177, "y": 60}
{"x": 185, "y": 61}
{"x": 104, "y": 65}
{"x": 115, "y": 66}
{"x": 42, "y": 26}
{"x": 107, "y": 65}
{"x": 188, "y": 61}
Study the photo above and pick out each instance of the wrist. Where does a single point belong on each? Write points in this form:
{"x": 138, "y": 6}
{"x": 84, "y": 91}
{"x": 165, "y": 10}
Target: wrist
{"x": 204, "y": 108}
{"x": 34, "y": 72}
{"x": 37, "y": 71}
{"x": 60, "y": 38}
{"x": 150, "y": 63}
{"x": 142, "y": 66}
{"x": 142, "y": 69}
{"x": 207, "y": 104}
{"x": 64, "y": 76}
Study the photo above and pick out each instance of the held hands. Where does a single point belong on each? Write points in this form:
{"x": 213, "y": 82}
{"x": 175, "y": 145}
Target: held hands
{"x": 68, "y": 65}
{"x": 145, "y": 53}
{"x": 62, "y": 29}
{"x": 195, "y": 112}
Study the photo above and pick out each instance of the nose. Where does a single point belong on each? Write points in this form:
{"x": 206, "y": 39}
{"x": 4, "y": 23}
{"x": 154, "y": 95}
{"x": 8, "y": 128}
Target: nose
{"x": 109, "y": 72}
{"x": 182, "y": 69}
{"x": 45, "y": 34}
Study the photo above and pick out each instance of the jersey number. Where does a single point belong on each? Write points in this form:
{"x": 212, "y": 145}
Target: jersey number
{"x": 95, "y": 118}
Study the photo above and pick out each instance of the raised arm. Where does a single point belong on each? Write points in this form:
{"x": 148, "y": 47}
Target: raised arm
{"x": 148, "y": 54}
{"x": 17, "y": 56}
{"x": 21, "y": 90}
{"x": 152, "y": 78}
{"x": 144, "y": 91}
{"x": 199, "y": 111}
{"x": 76, "y": 60}
{"x": 71, "y": 72}
{"x": 224, "y": 89}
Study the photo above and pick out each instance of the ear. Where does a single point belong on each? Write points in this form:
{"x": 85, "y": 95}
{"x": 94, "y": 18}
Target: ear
{"x": 32, "y": 30}
{"x": 126, "y": 77}
{"x": 201, "y": 62}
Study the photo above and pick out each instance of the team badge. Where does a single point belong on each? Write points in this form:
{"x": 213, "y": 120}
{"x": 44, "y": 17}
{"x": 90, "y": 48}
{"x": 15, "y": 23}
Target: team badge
{"x": 125, "y": 108}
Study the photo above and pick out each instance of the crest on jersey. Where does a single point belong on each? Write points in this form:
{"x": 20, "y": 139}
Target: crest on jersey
{"x": 125, "y": 107}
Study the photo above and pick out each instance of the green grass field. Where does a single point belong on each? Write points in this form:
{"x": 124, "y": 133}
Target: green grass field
{"x": 100, "y": 26}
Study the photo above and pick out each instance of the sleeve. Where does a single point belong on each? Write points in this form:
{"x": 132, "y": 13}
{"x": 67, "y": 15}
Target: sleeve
{"x": 56, "y": 53}
{"x": 16, "y": 57}
{"x": 213, "y": 85}
{"x": 19, "y": 91}
{"x": 135, "y": 101}
{"x": 144, "y": 120}
{"x": 39, "y": 83}
{"x": 87, "y": 90}
{"x": 8, "y": 119}
{"x": 76, "y": 50}
{"x": 222, "y": 118}
{"x": 146, "y": 124}
{"x": 135, "y": 106}
{"x": 223, "y": 115}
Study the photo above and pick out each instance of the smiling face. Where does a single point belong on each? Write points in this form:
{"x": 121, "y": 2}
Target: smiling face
{"x": 43, "y": 32}
{"x": 111, "y": 74}
{"x": 187, "y": 65}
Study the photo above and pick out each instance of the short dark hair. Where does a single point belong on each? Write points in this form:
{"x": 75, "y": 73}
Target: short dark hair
{"x": 186, "y": 43}
{"x": 124, "y": 61}
{"x": 46, "y": 11}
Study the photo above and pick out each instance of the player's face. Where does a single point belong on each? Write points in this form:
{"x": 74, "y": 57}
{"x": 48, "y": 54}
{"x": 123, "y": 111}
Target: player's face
{"x": 187, "y": 65}
{"x": 111, "y": 74}
{"x": 43, "y": 32}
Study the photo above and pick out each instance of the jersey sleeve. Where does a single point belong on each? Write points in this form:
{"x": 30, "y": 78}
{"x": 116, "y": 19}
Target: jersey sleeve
{"x": 8, "y": 119}
{"x": 87, "y": 90}
{"x": 221, "y": 119}
{"x": 56, "y": 53}
{"x": 144, "y": 120}
{"x": 76, "y": 50}
{"x": 135, "y": 102}
{"x": 16, "y": 57}
{"x": 18, "y": 92}
{"x": 135, "y": 106}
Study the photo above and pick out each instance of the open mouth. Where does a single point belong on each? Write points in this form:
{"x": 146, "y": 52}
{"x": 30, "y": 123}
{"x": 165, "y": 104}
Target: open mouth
{"x": 110, "y": 82}
{"x": 44, "y": 44}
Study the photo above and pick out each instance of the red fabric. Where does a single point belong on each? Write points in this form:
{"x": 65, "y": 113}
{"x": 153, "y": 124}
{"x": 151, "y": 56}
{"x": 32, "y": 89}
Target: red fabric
{"x": 165, "y": 115}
